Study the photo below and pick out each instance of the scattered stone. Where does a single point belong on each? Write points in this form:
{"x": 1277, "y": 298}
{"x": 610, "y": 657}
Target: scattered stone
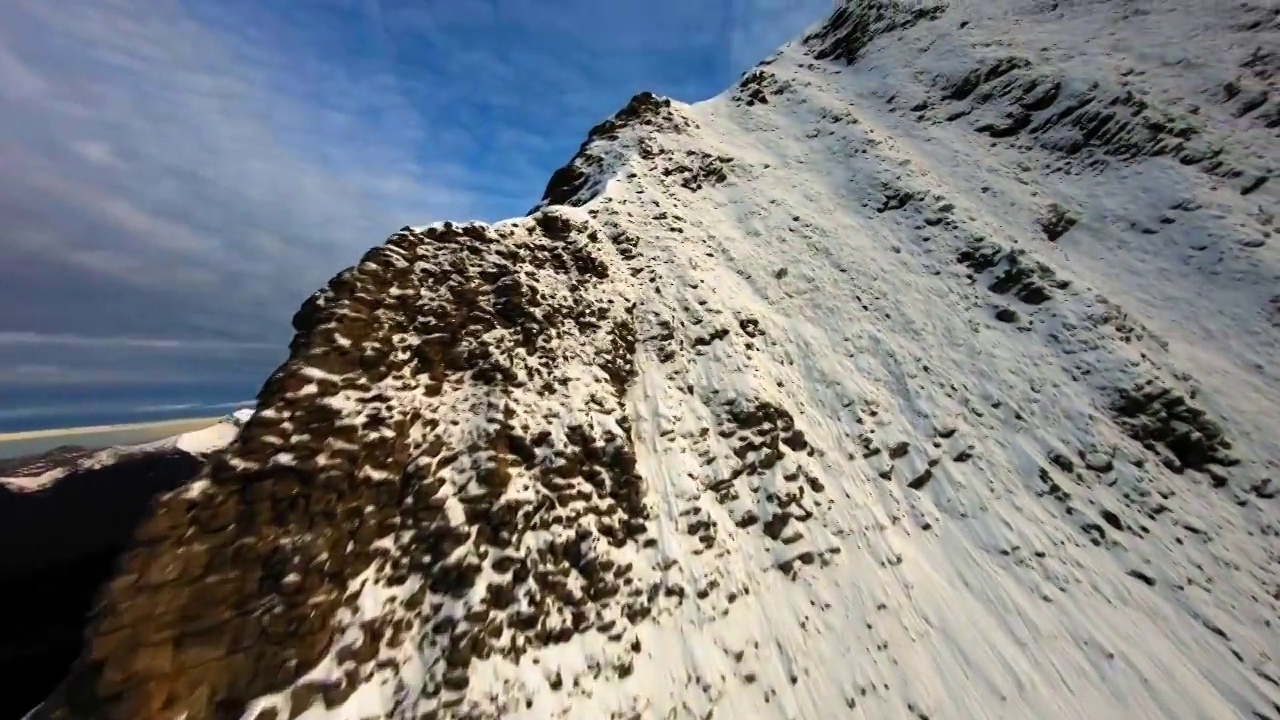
{"x": 1056, "y": 222}
{"x": 1007, "y": 315}
{"x": 921, "y": 480}
{"x": 1112, "y": 519}
{"x": 1098, "y": 461}
{"x": 1062, "y": 460}
{"x": 1150, "y": 581}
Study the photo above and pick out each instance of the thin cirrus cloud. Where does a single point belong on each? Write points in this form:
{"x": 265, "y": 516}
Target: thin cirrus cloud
{"x": 178, "y": 175}
{"x": 87, "y": 341}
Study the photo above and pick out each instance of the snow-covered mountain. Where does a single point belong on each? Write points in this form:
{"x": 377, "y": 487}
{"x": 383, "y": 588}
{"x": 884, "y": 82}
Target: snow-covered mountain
{"x": 927, "y": 372}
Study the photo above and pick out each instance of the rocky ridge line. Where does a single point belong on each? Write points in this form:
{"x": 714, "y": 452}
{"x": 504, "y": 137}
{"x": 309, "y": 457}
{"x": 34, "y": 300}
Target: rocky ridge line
{"x": 448, "y": 432}
{"x": 605, "y": 150}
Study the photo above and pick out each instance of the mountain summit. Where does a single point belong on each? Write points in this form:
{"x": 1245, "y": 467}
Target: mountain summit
{"x": 928, "y": 372}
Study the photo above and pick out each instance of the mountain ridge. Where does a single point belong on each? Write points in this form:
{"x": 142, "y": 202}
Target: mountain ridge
{"x": 708, "y": 418}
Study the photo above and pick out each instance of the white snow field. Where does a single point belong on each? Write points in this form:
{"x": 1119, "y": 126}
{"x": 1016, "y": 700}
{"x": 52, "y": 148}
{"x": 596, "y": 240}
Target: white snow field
{"x": 956, "y": 387}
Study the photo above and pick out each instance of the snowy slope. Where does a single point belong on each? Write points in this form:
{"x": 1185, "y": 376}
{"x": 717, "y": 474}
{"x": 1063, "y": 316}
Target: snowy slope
{"x": 949, "y": 394}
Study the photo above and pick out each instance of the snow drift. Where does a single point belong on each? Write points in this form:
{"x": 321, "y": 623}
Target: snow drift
{"x": 926, "y": 371}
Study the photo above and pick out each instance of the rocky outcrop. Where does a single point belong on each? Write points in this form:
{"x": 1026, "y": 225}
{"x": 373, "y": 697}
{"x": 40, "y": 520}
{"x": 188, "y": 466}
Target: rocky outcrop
{"x": 577, "y": 182}
{"x": 457, "y": 395}
{"x": 1012, "y": 272}
{"x": 1088, "y": 121}
{"x": 853, "y": 26}
{"x": 1161, "y": 418}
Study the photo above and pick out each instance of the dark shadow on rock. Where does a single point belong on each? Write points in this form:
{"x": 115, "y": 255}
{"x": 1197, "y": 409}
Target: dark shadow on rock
{"x": 60, "y": 544}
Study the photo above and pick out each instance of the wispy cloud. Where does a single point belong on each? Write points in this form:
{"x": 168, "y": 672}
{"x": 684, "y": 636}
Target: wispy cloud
{"x": 80, "y": 341}
{"x": 177, "y": 173}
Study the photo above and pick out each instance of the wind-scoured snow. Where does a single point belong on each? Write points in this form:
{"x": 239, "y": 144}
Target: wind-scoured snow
{"x": 950, "y": 395}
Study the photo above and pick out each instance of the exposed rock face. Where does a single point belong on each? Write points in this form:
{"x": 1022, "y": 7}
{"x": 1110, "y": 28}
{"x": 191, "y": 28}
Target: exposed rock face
{"x": 852, "y": 27}
{"x": 584, "y": 176}
{"x": 457, "y": 391}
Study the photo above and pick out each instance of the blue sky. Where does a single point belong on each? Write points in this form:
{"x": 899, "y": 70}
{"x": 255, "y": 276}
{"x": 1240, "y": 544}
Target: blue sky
{"x": 176, "y": 176}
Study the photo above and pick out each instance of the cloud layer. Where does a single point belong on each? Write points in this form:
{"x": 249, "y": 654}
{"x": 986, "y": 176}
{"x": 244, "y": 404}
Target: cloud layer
{"x": 178, "y": 176}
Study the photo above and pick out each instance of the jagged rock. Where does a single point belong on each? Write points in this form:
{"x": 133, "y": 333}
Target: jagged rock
{"x": 700, "y": 170}
{"x": 1057, "y": 221}
{"x": 468, "y": 296}
{"x": 852, "y": 27}
{"x": 580, "y": 180}
{"x": 1030, "y": 282}
{"x": 1152, "y": 412}
{"x": 757, "y": 86}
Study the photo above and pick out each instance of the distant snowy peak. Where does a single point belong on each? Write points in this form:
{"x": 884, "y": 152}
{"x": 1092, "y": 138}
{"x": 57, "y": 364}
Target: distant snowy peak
{"x": 71, "y": 503}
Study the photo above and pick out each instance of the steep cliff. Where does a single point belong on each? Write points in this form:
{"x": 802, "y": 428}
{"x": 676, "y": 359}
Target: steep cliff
{"x": 927, "y": 371}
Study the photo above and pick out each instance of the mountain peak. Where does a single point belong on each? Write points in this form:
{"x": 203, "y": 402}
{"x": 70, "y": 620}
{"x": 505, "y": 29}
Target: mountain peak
{"x": 607, "y": 144}
{"x": 928, "y": 369}
{"x": 856, "y": 23}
